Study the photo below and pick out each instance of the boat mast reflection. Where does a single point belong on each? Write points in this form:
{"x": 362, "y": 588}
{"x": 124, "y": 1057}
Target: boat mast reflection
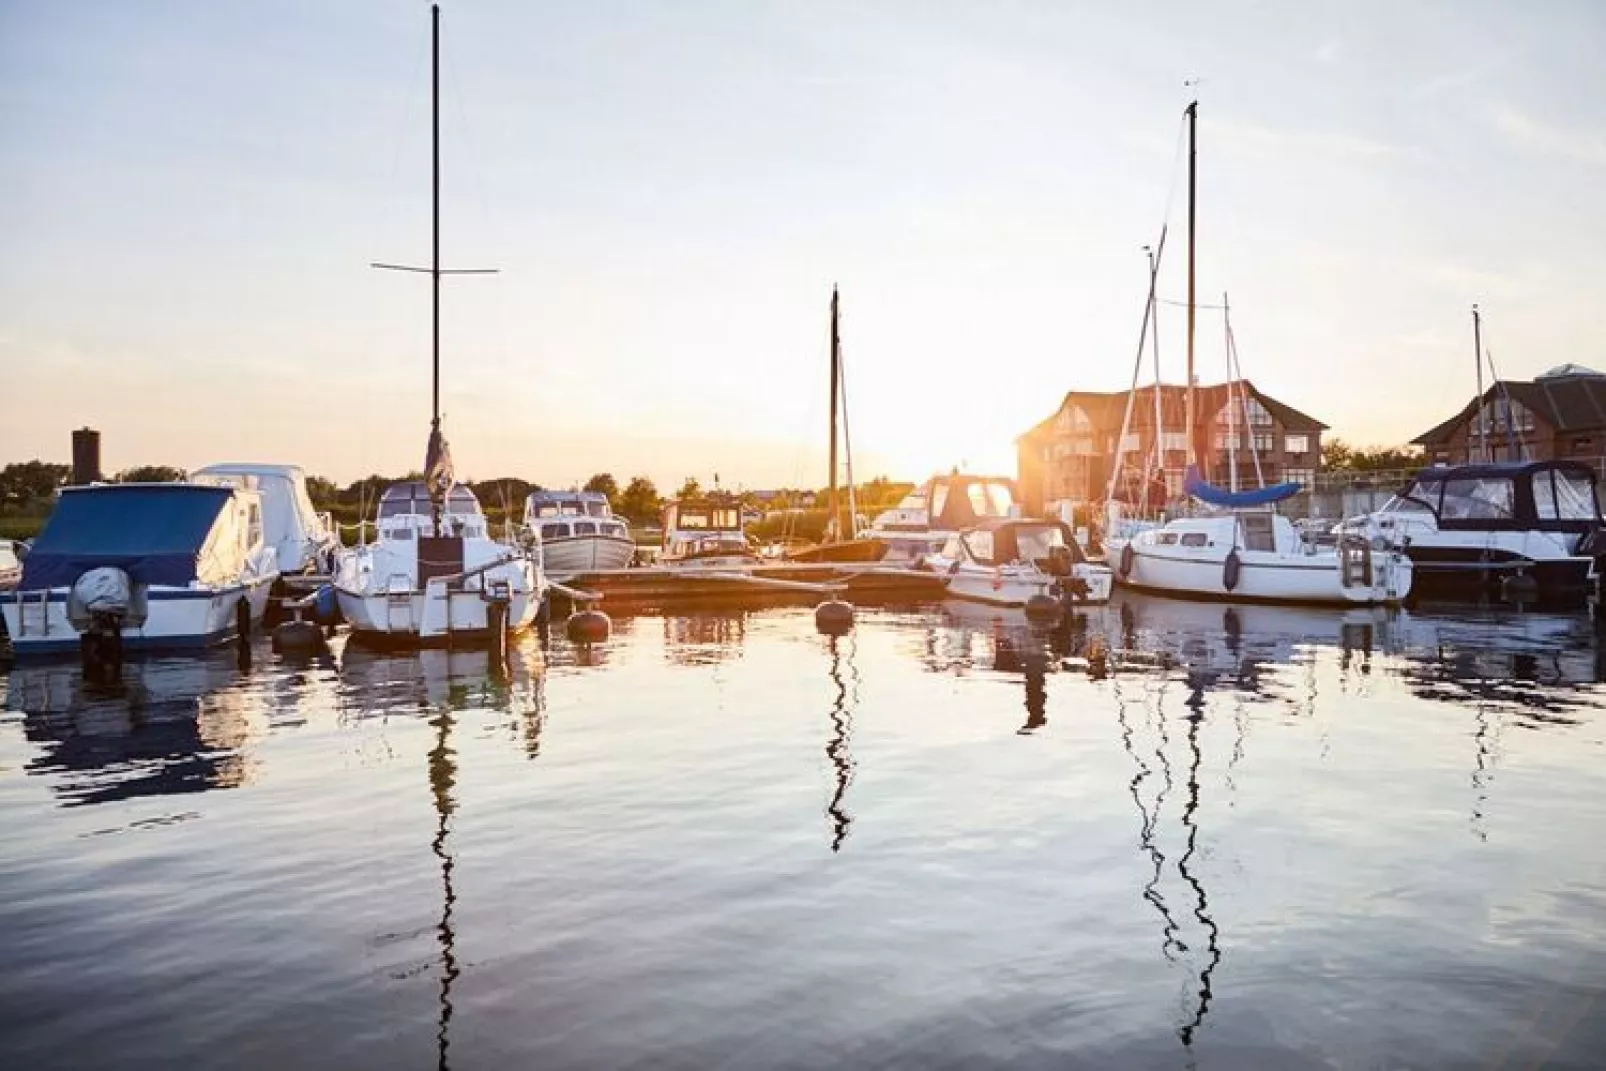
{"x": 442, "y": 781}
{"x": 1196, "y": 706}
{"x": 837, "y": 747}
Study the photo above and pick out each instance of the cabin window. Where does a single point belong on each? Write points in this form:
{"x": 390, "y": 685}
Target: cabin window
{"x": 1297, "y": 444}
{"x": 596, "y": 509}
{"x": 253, "y": 525}
{"x": 1167, "y": 539}
{"x": 952, "y": 549}
{"x": 692, "y": 520}
{"x": 585, "y": 528}
{"x": 1257, "y": 532}
{"x": 939, "y": 500}
{"x": 1194, "y": 539}
{"x": 403, "y": 534}
{"x": 1575, "y": 496}
{"x": 1487, "y": 499}
{"x": 615, "y": 528}
{"x": 554, "y": 531}
{"x": 981, "y": 545}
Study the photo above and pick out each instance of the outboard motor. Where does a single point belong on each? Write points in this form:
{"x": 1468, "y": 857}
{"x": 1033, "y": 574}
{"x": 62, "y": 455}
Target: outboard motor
{"x": 1058, "y": 562}
{"x": 104, "y": 596}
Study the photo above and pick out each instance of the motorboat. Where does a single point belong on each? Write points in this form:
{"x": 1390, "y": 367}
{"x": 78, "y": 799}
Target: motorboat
{"x": 1473, "y": 530}
{"x": 305, "y": 538}
{"x": 10, "y": 564}
{"x": 433, "y": 574}
{"x": 431, "y": 579}
{"x": 1006, "y": 562}
{"x": 922, "y": 523}
{"x": 705, "y": 533}
{"x": 143, "y": 566}
{"x": 578, "y": 532}
{"x": 1250, "y": 555}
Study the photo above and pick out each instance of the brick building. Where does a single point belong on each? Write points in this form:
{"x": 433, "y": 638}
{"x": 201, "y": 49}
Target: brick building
{"x": 1561, "y": 414}
{"x": 1069, "y": 456}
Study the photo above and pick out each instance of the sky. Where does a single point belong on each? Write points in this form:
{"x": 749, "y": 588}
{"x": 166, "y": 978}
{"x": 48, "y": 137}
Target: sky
{"x": 191, "y": 192}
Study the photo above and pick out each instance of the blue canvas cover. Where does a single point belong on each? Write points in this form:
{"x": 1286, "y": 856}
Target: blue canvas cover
{"x": 1212, "y": 495}
{"x": 153, "y": 532}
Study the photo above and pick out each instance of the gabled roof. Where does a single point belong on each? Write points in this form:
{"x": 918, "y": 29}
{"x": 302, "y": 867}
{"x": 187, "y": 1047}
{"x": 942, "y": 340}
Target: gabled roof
{"x": 1571, "y": 401}
{"x": 1105, "y": 407}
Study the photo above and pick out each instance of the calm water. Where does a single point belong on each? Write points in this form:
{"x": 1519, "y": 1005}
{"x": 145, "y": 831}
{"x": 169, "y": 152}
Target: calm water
{"x": 1167, "y": 836}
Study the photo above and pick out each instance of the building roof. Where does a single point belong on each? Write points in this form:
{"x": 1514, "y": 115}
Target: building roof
{"x": 1569, "y": 398}
{"x": 1108, "y": 406}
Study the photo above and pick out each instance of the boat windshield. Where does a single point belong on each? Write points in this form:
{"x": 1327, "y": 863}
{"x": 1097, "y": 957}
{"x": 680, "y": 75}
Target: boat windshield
{"x": 1482, "y": 498}
{"x": 413, "y": 499}
{"x": 708, "y": 518}
{"x": 914, "y": 500}
{"x": 1414, "y": 499}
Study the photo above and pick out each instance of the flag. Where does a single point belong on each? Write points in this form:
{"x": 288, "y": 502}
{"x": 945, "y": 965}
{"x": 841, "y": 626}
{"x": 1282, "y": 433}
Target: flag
{"x": 438, "y": 475}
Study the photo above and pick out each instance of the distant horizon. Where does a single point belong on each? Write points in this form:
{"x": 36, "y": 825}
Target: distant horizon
{"x": 192, "y": 194}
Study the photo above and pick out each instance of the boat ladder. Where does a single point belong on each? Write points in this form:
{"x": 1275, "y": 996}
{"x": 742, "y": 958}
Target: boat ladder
{"x": 399, "y": 595}
{"x": 40, "y": 607}
{"x": 1355, "y": 562}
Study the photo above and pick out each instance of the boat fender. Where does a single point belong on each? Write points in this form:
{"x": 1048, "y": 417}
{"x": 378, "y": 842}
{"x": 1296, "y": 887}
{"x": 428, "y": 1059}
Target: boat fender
{"x": 833, "y": 617}
{"x": 1230, "y": 569}
{"x": 325, "y": 606}
{"x": 1128, "y": 556}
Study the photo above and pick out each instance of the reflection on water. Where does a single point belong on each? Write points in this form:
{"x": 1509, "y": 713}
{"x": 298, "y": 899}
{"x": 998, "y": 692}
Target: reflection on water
{"x": 1246, "y": 826}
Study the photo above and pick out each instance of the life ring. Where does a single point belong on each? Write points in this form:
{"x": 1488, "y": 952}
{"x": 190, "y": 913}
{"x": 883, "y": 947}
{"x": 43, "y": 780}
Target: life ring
{"x": 1230, "y": 569}
{"x": 1128, "y": 556}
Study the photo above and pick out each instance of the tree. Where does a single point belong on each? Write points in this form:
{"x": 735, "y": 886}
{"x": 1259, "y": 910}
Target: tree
{"x": 1339, "y": 456}
{"x": 323, "y": 492}
{"x": 507, "y": 492}
{"x": 690, "y": 489}
{"x": 150, "y": 474}
{"x": 25, "y": 482}
{"x": 640, "y": 500}
{"x": 604, "y": 483}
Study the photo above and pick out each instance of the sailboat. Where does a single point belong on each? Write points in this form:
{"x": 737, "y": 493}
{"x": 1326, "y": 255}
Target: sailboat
{"x": 434, "y": 574}
{"x": 834, "y": 547}
{"x": 1245, "y": 550}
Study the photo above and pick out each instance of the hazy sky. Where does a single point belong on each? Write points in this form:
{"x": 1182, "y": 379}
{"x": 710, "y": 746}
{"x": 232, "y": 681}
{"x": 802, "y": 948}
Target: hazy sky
{"x": 190, "y": 194}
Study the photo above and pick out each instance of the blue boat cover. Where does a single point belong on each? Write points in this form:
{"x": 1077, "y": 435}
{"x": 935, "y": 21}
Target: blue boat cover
{"x": 1210, "y": 494}
{"x": 153, "y": 532}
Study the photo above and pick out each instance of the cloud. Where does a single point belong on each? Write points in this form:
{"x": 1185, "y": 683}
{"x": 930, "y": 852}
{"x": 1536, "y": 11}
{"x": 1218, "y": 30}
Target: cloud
{"x": 1526, "y": 132}
{"x": 1329, "y": 51}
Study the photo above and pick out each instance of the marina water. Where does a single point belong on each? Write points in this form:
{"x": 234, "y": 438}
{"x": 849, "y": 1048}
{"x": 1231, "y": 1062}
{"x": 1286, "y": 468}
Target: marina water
{"x": 1162, "y": 836}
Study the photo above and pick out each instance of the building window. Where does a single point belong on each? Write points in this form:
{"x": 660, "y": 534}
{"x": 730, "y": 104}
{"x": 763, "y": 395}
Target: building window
{"x": 1174, "y": 441}
{"x": 1304, "y": 477}
{"x": 1492, "y": 417}
{"x": 1265, "y": 442}
{"x": 1583, "y": 442}
{"x": 1297, "y": 444}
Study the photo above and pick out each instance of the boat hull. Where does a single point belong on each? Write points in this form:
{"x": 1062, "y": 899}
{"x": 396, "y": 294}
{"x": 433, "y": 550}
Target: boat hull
{"x": 435, "y": 615}
{"x": 176, "y": 619}
{"x": 565, "y": 557}
{"x": 1315, "y": 579}
{"x": 1478, "y": 574}
{"x": 848, "y": 550}
{"x": 1015, "y": 586}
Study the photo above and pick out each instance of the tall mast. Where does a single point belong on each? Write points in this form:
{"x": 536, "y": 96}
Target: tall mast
{"x": 1232, "y": 416}
{"x": 1159, "y": 426}
{"x": 1477, "y": 362}
{"x": 435, "y": 206}
{"x": 1193, "y": 159}
{"x": 831, "y": 520}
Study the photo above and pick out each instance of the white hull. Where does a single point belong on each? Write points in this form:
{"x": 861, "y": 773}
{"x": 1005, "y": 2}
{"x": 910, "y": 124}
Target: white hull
{"x": 1014, "y": 585}
{"x": 585, "y": 554}
{"x": 432, "y": 614}
{"x": 175, "y": 618}
{"x": 1263, "y": 576}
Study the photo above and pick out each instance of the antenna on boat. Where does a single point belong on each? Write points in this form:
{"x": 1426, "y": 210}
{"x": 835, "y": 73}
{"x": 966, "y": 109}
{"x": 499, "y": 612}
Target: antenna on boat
{"x": 1477, "y": 362}
{"x": 438, "y": 458}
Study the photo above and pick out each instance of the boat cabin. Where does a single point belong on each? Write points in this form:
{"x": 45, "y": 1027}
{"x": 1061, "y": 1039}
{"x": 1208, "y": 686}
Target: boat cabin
{"x": 951, "y": 503}
{"x": 1005, "y": 542}
{"x": 1257, "y": 530}
{"x": 405, "y": 511}
{"x": 1546, "y": 496}
{"x": 703, "y": 527}
{"x": 558, "y": 515}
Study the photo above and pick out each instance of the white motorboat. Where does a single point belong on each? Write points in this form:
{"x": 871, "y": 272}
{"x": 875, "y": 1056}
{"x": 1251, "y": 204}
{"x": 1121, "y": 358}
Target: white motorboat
{"x": 305, "y": 539}
{"x": 1008, "y": 562}
{"x": 1258, "y": 556}
{"x": 435, "y": 581}
{"x": 705, "y": 533}
{"x": 578, "y": 532}
{"x": 143, "y": 566}
{"x": 434, "y": 574}
{"x": 942, "y": 507}
{"x": 1473, "y": 531}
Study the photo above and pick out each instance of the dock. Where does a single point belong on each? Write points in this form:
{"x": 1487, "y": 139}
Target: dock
{"x": 661, "y": 586}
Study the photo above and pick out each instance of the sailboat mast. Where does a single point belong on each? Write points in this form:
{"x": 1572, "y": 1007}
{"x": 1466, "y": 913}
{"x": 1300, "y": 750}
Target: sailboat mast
{"x": 1193, "y": 158}
{"x": 1232, "y": 418}
{"x": 1477, "y": 362}
{"x": 435, "y": 206}
{"x": 831, "y": 520}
